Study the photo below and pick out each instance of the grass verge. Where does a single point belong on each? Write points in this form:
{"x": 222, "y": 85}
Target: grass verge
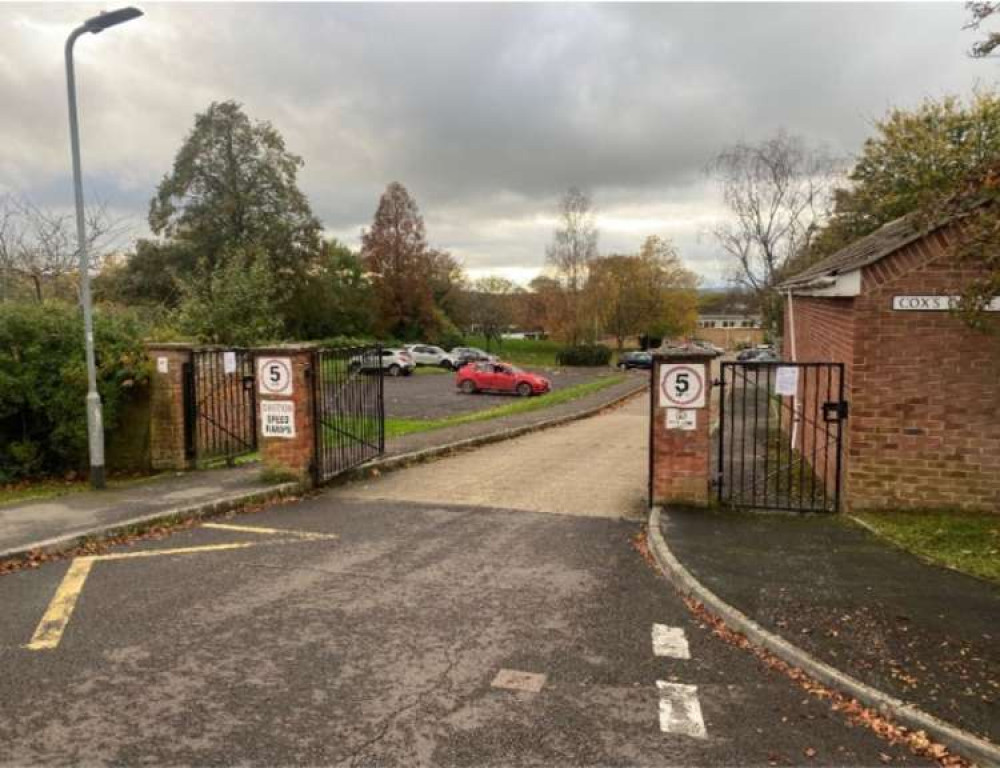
{"x": 529, "y": 352}
{"x": 400, "y": 427}
{"x": 51, "y": 488}
{"x": 965, "y": 541}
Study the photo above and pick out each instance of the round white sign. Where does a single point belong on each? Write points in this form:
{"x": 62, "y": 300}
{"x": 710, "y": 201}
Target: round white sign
{"x": 682, "y": 385}
{"x": 274, "y": 376}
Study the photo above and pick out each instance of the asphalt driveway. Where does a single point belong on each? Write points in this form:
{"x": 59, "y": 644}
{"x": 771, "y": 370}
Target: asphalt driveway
{"x": 434, "y": 396}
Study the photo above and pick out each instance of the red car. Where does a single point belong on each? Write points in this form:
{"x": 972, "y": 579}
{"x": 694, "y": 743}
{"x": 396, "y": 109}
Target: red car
{"x": 500, "y": 377}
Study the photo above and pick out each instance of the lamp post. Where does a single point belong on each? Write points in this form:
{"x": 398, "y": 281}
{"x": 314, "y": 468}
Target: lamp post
{"x": 95, "y": 422}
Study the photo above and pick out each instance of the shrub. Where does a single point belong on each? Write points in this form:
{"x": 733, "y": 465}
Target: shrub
{"x": 43, "y": 382}
{"x": 585, "y": 354}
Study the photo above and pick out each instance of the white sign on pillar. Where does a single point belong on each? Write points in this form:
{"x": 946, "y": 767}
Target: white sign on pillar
{"x": 277, "y": 418}
{"x": 682, "y": 385}
{"x": 274, "y": 376}
{"x": 684, "y": 419}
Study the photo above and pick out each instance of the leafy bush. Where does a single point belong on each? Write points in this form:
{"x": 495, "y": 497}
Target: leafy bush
{"x": 43, "y": 383}
{"x": 585, "y": 354}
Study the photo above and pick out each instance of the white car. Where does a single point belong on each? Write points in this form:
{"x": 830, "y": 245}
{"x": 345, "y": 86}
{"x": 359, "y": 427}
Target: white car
{"x": 427, "y": 354}
{"x": 395, "y": 362}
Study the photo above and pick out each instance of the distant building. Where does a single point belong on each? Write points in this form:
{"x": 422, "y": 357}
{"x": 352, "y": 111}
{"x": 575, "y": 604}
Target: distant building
{"x": 730, "y": 330}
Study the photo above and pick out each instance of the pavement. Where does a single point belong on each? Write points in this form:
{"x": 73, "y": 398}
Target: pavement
{"x": 33, "y": 523}
{"x": 921, "y": 633}
{"x": 359, "y": 628}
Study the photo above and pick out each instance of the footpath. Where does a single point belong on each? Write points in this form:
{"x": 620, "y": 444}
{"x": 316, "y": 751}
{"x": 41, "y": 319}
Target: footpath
{"x": 62, "y": 522}
{"x": 922, "y": 633}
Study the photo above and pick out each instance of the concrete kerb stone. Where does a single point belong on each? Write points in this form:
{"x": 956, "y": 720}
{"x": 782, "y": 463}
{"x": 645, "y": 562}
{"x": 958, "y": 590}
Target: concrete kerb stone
{"x": 403, "y": 460}
{"x": 207, "y": 509}
{"x": 979, "y": 750}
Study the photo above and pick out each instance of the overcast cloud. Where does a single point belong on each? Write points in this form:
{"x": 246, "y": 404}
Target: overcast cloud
{"x": 485, "y": 112}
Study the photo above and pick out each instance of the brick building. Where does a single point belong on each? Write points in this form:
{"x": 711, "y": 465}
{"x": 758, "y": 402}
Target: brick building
{"x": 923, "y": 388}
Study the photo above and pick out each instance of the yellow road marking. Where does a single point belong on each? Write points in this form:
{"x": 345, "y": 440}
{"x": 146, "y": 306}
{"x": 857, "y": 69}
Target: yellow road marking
{"x": 177, "y": 551}
{"x": 50, "y": 628}
{"x": 269, "y": 531}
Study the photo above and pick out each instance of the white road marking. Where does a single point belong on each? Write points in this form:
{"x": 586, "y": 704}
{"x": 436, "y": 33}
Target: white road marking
{"x": 268, "y": 531}
{"x": 670, "y": 641}
{"x": 680, "y": 710}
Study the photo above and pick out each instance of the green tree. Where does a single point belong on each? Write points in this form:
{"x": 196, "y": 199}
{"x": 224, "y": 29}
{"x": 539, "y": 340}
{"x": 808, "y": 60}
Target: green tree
{"x": 979, "y": 12}
{"x": 234, "y": 185}
{"x": 915, "y": 160}
{"x": 396, "y": 254}
{"x": 236, "y": 303}
{"x": 336, "y": 299}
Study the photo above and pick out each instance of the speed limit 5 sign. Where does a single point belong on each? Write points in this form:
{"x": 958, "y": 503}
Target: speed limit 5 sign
{"x": 274, "y": 375}
{"x": 682, "y": 385}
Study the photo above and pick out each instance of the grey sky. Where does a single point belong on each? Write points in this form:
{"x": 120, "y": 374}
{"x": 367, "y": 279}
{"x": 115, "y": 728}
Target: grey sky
{"x": 485, "y": 112}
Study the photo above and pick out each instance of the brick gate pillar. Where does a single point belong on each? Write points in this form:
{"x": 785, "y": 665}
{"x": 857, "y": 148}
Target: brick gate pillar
{"x": 285, "y": 409}
{"x": 167, "y": 431}
{"x": 680, "y": 446}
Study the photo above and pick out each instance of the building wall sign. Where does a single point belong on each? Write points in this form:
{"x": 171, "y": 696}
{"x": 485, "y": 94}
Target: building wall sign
{"x": 934, "y": 303}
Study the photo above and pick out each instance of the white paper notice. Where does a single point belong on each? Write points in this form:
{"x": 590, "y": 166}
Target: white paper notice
{"x": 682, "y": 418}
{"x": 229, "y": 362}
{"x": 163, "y": 365}
{"x": 786, "y": 380}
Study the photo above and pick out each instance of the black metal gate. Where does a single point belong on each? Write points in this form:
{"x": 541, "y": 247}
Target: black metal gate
{"x": 220, "y": 397}
{"x": 348, "y": 397}
{"x": 780, "y": 436}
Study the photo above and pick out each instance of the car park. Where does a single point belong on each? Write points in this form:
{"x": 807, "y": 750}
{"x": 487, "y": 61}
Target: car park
{"x": 500, "y": 377}
{"x": 630, "y": 360}
{"x": 427, "y": 354}
{"x": 395, "y": 362}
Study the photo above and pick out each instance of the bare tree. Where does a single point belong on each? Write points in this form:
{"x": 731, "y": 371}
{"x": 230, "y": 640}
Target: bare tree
{"x": 979, "y": 11}
{"x": 778, "y": 192}
{"x": 573, "y": 248}
{"x": 39, "y": 246}
{"x": 492, "y": 307}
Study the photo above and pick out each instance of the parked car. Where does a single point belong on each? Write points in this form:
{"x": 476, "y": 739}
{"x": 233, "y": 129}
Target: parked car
{"x": 395, "y": 362}
{"x": 426, "y": 354}
{"x": 757, "y": 356}
{"x": 465, "y": 355}
{"x": 631, "y": 360}
{"x": 500, "y": 377}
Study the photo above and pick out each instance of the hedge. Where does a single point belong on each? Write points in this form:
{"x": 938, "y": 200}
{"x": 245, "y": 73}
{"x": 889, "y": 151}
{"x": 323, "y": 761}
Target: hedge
{"x": 43, "y": 383}
{"x": 585, "y": 354}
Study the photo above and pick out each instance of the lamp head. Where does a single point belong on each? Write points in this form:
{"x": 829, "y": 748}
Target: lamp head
{"x": 111, "y": 18}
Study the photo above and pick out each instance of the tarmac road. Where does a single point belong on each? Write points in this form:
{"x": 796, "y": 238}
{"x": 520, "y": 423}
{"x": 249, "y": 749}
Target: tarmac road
{"x": 274, "y": 643}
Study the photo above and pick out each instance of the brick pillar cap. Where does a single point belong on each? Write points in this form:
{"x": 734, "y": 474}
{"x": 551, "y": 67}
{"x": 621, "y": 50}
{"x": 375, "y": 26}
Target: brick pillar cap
{"x": 170, "y": 345}
{"x": 685, "y": 351}
{"x": 286, "y": 348}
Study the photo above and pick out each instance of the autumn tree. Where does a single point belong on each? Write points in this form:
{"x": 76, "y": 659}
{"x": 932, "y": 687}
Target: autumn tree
{"x": 646, "y": 293}
{"x": 397, "y": 257}
{"x": 573, "y": 248}
{"x": 234, "y": 185}
{"x": 914, "y": 159}
{"x": 491, "y": 308}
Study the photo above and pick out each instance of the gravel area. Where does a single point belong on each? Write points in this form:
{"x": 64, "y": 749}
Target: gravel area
{"x": 435, "y": 396}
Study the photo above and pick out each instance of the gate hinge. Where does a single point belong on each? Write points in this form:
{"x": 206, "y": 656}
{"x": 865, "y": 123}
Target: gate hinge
{"x": 835, "y": 411}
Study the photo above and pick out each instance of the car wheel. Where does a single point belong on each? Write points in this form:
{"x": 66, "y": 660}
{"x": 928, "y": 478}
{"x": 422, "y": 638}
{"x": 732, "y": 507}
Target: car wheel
{"x": 524, "y": 389}
{"x": 446, "y": 365}
{"x": 394, "y": 370}
{"x": 468, "y": 387}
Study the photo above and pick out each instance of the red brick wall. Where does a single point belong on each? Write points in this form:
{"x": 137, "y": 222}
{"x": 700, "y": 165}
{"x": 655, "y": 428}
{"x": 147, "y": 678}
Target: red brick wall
{"x": 824, "y": 332}
{"x": 925, "y": 411}
{"x": 295, "y": 454}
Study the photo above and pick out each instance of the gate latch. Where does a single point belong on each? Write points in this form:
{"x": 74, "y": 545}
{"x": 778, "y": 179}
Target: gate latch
{"x": 835, "y": 411}
{"x": 248, "y": 383}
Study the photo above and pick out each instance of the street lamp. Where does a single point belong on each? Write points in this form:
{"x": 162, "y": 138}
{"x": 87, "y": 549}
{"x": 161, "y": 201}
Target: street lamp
{"x": 95, "y": 423}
